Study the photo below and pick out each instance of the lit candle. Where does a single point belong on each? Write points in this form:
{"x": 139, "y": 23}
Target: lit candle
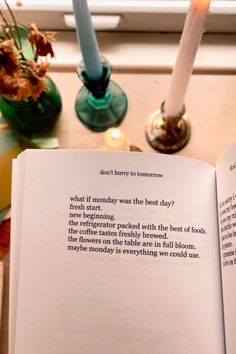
{"x": 189, "y": 42}
{"x": 115, "y": 140}
{"x": 87, "y": 39}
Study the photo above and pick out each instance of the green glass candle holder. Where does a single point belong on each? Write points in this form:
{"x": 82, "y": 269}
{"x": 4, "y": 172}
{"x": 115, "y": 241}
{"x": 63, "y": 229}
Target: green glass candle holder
{"x": 100, "y": 104}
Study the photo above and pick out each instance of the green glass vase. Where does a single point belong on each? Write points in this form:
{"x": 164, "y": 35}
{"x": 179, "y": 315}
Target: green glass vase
{"x": 33, "y": 116}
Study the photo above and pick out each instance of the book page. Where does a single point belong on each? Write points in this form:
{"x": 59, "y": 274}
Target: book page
{"x": 1, "y": 289}
{"x": 226, "y": 189}
{"x": 118, "y": 254}
{"x": 15, "y": 244}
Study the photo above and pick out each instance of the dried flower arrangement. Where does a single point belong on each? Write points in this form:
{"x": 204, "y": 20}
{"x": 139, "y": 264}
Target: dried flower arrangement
{"x": 24, "y": 53}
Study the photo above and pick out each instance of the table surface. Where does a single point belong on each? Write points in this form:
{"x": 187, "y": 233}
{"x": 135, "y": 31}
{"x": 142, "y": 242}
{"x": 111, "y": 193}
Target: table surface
{"x": 210, "y": 106}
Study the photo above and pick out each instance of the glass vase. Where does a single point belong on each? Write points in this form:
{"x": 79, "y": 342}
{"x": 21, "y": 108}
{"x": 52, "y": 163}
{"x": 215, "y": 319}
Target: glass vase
{"x": 33, "y": 116}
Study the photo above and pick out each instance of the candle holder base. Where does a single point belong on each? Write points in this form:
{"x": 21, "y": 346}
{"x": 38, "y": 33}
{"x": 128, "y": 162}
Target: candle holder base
{"x": 168, "y": 135}
{"x": 100, "y": 104}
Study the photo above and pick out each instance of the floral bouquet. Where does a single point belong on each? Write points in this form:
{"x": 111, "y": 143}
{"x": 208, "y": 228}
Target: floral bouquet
{"x": 24, "y": 53}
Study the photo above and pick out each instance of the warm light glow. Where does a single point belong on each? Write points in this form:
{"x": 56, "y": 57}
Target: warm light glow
{"x": 201, "y": 4}
{"x": 116, "y": 134}
{"x": 115, "y": 139}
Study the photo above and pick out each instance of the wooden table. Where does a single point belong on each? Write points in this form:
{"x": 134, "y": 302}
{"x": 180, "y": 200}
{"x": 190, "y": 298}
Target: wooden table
{"x": 211, "y": 109}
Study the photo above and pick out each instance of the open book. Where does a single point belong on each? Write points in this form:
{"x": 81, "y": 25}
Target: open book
{"x": 119, "y": 252}
{"x": 1, "y": 289}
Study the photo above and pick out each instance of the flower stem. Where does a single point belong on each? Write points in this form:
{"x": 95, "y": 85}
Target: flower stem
{"x": 15, "y": 25}
{"x": 5, "y": 26}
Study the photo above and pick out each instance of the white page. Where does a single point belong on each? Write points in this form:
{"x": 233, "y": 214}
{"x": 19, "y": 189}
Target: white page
{"x": 1, "y": 288}
{"x": 16, "y": 210}
{"x": 72, "y": 301}
{"x": 226, "y": 189}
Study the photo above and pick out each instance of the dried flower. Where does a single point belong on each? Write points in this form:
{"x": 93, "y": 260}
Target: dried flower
{"x": 42, "y": 41}
{"x": 9, "y": 62}
{"x": 22, "y": 75}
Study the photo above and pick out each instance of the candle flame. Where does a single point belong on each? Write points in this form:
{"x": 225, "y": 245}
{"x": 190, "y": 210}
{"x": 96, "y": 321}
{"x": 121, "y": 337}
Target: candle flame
{"x": 116, "y": 134}
{"x": 202, "y": 5}
{"x": 115, "y": 139}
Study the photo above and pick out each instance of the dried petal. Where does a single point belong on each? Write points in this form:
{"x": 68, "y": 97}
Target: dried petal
{"x": 37, "y": 88}
{"x": 40, "y": 69}
{"x": 8, "y": 57}
{"x": 23, "y": 89}
{"x": 36, "y": 76}
{"x": 8, "y": 86}
{"x": 42, "y": 41}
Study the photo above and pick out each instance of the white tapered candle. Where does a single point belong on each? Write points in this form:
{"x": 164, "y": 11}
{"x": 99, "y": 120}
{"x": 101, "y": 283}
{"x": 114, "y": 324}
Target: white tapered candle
{"x": 189, "y": 43}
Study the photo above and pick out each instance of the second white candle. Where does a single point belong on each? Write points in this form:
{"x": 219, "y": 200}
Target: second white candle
{"x": 189, "y": 42}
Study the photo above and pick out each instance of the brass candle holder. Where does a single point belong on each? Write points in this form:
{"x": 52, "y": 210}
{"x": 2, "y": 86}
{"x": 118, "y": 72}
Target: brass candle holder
{"x": 168, "y": 135}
